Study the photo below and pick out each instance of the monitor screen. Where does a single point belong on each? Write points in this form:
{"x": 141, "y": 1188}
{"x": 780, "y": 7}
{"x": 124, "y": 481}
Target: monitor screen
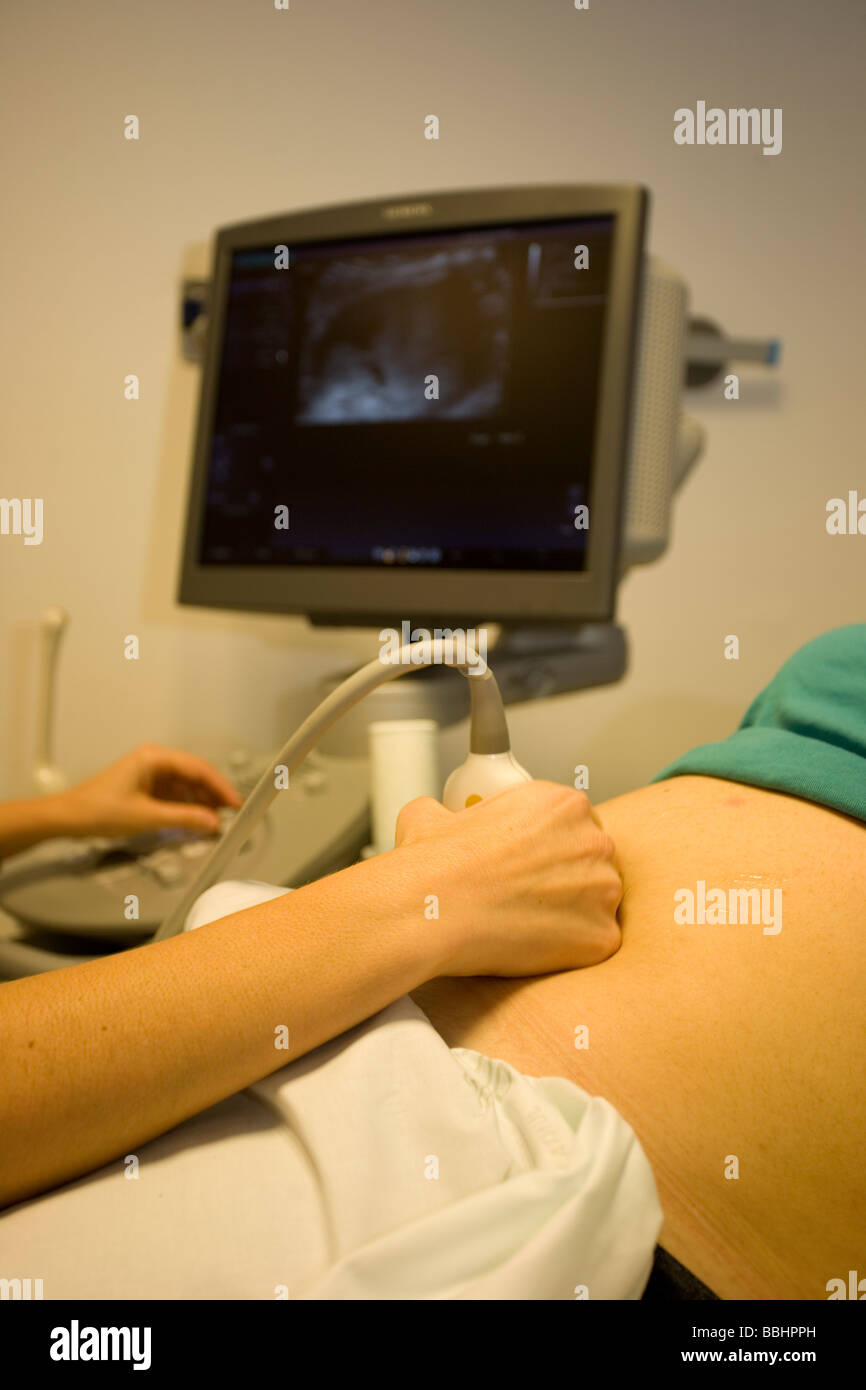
{"x": 427, "y": 400}
{"x": 419, "y": 408}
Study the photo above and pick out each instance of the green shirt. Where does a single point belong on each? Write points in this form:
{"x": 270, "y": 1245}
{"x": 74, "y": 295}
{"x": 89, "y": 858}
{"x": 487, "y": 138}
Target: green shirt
{"x": 805, "y": 734}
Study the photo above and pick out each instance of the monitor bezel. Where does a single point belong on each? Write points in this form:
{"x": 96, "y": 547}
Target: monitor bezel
{"x": 359, "y": 595}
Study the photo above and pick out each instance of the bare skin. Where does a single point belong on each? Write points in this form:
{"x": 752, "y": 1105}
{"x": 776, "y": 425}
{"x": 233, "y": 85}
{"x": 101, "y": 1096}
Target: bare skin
{"x": 103, "y": 1056}
{"x": 717, "y": 1041}
{"x": 151, "y": 788}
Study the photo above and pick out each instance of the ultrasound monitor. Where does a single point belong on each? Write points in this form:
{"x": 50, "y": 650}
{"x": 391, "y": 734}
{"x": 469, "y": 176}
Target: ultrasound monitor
{"x": 419, "y": 409}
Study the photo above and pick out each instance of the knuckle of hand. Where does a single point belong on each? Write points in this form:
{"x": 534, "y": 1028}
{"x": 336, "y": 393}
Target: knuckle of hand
{"x": 612, "y": 942}
{"x": 598, "y": 845}
{"x": 574, "y": 799}
{"x": 553, "y": 792}
{"x": 607, "y": 848}
{"x": 408, "y": 815}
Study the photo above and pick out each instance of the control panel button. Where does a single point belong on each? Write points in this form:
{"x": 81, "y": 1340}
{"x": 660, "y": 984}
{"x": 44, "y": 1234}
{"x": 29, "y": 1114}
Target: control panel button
{"x": 165, "y": 867}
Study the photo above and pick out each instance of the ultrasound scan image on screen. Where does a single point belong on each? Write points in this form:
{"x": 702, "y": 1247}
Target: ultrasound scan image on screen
{"x": 376, "y": 328}
{"x": 424, "y": 399}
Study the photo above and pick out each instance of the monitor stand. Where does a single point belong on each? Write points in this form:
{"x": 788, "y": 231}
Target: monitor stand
{"x": 529, "y": 663}
{"x": 533, "y": 663}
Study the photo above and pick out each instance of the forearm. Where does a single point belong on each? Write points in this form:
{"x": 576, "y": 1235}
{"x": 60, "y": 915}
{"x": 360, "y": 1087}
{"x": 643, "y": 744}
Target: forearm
{"x": 25, "y": 823}
{"x": 99, "y": 1058}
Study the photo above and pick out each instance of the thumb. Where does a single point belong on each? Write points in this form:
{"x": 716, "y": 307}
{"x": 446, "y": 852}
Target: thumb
{"x": 419, "y": 818}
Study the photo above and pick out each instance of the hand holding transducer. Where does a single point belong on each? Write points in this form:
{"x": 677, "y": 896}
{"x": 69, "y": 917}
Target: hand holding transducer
{"x": 527, "y": 879}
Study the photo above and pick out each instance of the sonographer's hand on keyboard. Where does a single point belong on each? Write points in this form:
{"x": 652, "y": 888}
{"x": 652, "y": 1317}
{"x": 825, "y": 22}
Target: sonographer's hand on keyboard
{"x": 527, "y": 879}
{"x": 151, "y": 788}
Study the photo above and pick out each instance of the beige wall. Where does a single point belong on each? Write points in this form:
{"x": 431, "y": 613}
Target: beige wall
{"x": 246, "y": 111}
